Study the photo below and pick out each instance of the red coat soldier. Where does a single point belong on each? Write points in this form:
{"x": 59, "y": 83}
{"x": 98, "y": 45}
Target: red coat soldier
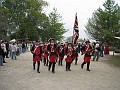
{"x": 52, "y": 55}
{"x": 87, "y": 55}
{"x": 61, "y": 55}
{"x": 106, "y": 50}
{"x": 75, "y": 54}
{"x": 68, "y": 59}
{"x": 45, "y": 54}
{"x": 65, "y": 49}
{"x": 37, "y": 52}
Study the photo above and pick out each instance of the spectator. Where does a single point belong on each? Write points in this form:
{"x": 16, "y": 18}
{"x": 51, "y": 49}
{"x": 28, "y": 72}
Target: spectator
{"x": 3, "y": 46}
{"x": 1, "y": 56}
{"x": 13, "y": 51}
{"x": 97, "y": 50}
{"x": 106, "y": 50}
{"x": 20, "y": 47}
{"x": 23, "y": 47}
{"x": 7, "y": 49}
{"x": 102, "y": 49}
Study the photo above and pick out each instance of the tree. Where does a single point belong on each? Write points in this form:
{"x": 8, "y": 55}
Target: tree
{"x": 105, "y": 23}
{"x": 2, "y": 25}
{"x": 54, "y": 28}
{"x": 69, "y": 39}
{"x": 24, "y": 16}
{"x": 26, "y": 19}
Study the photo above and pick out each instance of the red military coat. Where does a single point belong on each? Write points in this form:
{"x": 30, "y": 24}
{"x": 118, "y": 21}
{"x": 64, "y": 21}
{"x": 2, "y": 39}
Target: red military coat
{"x": 106, "y": 50}
{"x": 37, "y": 52}
{"x": 61, "y": 53}
{"x": 69, "y": 58}
{"x": 52, "y": 52}
{"x": 75, "y": 53}
{"x": 87, "y": 56}
{"x": 45, "y": 52}
{"x": 69, "y": 55}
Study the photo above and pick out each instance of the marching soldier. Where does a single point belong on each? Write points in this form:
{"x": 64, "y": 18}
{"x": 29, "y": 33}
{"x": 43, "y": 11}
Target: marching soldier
{"x": 69, "y": 57}
{"x": 52, "y": 55}
{"x": 87, "y": 55}
{"x": 45, "y": 54}
{"x": 37, "y": 52}
{"x": 65, "y": 49}
{"x": 75, "y": 54}
{"x": 61, "y": 55}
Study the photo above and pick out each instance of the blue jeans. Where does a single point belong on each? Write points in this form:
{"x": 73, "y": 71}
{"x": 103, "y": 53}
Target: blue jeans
{"x": 20, "y": 50}
{"x": 23, "y": 50}
{"x": 10, "y": 55}
{"x": 96, "y": 55}
{"x": 13, "y": 54}
{"x": 101, "y": 53}
{"x": 1, "y": 60}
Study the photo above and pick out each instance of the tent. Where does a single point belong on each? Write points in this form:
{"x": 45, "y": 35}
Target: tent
{"x": 13, "y": 40}
{"x": 117, "y": 37}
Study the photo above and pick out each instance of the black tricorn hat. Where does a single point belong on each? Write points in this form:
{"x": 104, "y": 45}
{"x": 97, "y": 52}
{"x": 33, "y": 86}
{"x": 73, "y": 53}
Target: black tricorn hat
{"x": 61, "y": 45}
{"x": 51, "y": 39}
{"x": 74, "y": 45}
{"x": 76, "y": 30}
{"x": 87, "y": 41}
{"x": 69, "y": 43}
{"x": 36, "y": 41}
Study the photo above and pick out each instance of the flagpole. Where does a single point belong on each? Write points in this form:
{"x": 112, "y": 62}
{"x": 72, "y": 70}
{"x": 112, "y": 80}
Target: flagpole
{"x": 73, "y": 36}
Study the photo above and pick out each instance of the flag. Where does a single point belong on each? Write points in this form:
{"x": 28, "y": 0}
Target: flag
{"x": 76, "y": 30}
{"x": 76, "y": 23}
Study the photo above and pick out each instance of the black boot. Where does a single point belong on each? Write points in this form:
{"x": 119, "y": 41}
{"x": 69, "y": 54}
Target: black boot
{"x": 47, "y": 62}
{"x": 88, "y": 64}
{"x": 38, "y": 67}
{"x": 34, "y": 65}
{"x": 44, "y": 61}
{"x": 66, "y": 66}
{"x": 53, "y": 67}
{"x": 76, "y": 61}
{"x": 69, "y": 67}
{"x": 49, "y": 66}
{"x": 82, "y": 65}
{"x": 59, "y": 62}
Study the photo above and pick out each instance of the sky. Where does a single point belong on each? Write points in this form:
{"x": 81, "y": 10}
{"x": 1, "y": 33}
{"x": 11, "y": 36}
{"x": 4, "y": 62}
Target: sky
{"x": 68, "y": 8}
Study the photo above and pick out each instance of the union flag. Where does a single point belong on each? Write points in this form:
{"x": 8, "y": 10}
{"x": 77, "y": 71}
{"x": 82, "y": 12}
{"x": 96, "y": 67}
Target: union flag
{"x": 76, "y": 30}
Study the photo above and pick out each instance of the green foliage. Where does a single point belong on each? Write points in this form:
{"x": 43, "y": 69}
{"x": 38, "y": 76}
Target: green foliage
{"x": 26, "y": 19}
{"x": 54, "y": 28}
{"x": 69, "y": 39}
{"x": 23, "y": 16}
{"x": 105, "y": 23}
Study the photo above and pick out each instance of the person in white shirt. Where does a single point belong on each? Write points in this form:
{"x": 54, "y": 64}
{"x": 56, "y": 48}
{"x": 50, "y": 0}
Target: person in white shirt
{"x": 10, "y": 55}
{"x": 97, "y": 50}
{"x": 13, "y": 51}
{"x": 20, "y": 47}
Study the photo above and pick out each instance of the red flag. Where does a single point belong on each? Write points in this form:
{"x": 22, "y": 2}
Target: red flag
{"x": 76, "y": 34}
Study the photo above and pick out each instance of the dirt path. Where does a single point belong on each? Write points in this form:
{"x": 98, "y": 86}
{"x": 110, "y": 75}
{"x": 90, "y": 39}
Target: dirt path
{"x": 19, "y": 75}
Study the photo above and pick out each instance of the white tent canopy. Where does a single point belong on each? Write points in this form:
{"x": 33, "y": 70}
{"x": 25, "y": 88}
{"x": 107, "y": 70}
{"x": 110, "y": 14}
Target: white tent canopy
{"x": 117, "y": 37}
{"x": 13, "y": 40}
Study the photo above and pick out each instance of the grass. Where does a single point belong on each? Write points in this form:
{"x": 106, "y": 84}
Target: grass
{"x": 114, "y": 60}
